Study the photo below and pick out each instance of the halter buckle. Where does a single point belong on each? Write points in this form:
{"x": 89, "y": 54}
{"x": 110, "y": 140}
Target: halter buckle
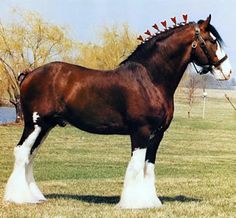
{"x": 197, "y": 31}
{"x": 194, "y": 44}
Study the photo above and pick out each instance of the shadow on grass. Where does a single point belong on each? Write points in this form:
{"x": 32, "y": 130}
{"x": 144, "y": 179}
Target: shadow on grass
{"x": 87, "y": 198}
{"x": 179, "y": 198}
{"x": 115, "y": 199}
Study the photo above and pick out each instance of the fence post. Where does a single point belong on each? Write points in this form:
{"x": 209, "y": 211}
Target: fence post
{"x": 204, "y": 104}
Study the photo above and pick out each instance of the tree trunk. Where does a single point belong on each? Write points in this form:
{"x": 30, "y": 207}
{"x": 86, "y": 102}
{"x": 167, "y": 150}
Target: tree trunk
{"x": 188, "y": 114}
{"x": 19, "y": 113}
{"x": 190, "y": 109}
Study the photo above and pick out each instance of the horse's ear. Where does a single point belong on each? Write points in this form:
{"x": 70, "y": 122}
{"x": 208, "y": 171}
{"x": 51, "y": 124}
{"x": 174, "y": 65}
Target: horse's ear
{"x": 206, "y": 23}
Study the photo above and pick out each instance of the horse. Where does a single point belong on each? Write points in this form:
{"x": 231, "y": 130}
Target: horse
{"x": 135, "y": 99}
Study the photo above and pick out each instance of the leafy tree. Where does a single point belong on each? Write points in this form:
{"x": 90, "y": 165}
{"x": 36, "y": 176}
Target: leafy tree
{"x": 116, "y": 44}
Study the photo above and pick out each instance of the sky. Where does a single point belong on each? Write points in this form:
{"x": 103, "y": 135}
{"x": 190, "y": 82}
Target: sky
{"x": 85, "y": 18}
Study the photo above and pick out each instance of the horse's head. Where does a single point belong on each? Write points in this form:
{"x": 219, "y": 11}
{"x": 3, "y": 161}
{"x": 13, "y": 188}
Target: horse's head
{"x": 208, "y": 52}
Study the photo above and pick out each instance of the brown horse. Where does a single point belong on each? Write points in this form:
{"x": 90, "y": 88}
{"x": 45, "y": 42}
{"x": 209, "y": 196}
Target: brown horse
{"x": 134, "y": 99}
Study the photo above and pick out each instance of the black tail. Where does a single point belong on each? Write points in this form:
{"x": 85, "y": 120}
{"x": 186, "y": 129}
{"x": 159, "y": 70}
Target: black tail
{"x": 23, "y": 75}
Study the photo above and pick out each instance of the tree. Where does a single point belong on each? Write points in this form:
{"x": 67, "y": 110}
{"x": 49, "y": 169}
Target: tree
{"x": 4, "y": 82}
{"x": 27, "y": 44}
{"x": 116, "y": 44}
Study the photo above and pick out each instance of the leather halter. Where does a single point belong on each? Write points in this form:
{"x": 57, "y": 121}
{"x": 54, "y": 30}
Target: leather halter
{"x": 207, "y": 67}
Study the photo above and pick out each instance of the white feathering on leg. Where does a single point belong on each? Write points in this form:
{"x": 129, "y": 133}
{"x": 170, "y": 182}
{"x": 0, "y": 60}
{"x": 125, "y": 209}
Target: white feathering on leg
{"x": 139, "y": 184}
{"x": 17, "y": 189}
{"x": 32, "y": 184}
{"x": 30, "y": 176}
{"x": 149, "y": 180}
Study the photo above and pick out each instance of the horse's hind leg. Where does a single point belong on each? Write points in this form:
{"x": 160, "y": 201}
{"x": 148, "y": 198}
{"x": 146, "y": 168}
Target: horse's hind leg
{"x": 29, "y": 167}
{"x": 21, "y": 187}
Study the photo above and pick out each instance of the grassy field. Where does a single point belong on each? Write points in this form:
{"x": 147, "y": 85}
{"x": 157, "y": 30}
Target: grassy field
{"x": 82, "y": 174}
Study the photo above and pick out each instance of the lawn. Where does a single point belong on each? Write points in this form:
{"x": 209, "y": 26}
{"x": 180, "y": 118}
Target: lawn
{"x": 81, "y": 174}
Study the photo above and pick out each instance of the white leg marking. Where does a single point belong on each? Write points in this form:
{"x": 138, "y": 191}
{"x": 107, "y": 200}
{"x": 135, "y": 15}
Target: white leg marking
{"x": 30, "y": 176}
{"x": 149, "y": 179}
{"x": 139, "y": 184}
{"x": 17, "y": 188}
{"x": 32, "y": 184}
{"x": 35, "y": 117}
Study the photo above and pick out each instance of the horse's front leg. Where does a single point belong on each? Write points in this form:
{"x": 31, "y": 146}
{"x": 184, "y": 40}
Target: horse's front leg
{"x": 139, "y": 184}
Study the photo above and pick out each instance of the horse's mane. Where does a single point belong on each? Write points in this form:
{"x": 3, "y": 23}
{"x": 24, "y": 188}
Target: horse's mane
{"x": 143, "y": 48}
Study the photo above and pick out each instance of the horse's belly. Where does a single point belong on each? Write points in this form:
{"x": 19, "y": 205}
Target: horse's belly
{"x": 102, "y": 128}
{"x": 99, "y": 123}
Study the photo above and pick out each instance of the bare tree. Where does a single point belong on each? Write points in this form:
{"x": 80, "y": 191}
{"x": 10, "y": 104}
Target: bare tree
{"x": 192, "y": 83}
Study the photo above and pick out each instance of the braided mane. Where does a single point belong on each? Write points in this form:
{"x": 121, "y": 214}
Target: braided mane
{"x": 149, "y": 43}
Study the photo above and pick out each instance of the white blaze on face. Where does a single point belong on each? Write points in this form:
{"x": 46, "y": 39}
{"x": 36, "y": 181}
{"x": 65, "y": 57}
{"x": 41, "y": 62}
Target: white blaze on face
{"x": 224, "y": 70}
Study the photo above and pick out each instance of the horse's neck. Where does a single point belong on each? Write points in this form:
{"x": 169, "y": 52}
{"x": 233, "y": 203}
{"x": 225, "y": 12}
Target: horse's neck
{"x": 169, "y": 71}
{"x": 167, "y": 65}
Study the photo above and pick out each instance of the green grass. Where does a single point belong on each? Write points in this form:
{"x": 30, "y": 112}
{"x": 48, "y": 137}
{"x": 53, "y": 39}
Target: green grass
{"x": 82, "y": 174}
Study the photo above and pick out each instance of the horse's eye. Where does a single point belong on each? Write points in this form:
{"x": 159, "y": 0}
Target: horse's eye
{"x": 202, "y": 44}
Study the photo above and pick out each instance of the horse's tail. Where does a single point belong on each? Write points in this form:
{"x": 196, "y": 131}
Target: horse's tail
{"x": 23, "y": 75}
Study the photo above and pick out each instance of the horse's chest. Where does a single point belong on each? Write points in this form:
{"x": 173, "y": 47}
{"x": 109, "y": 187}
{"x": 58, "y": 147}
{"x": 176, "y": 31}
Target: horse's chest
{"x": 160, "y": 112}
